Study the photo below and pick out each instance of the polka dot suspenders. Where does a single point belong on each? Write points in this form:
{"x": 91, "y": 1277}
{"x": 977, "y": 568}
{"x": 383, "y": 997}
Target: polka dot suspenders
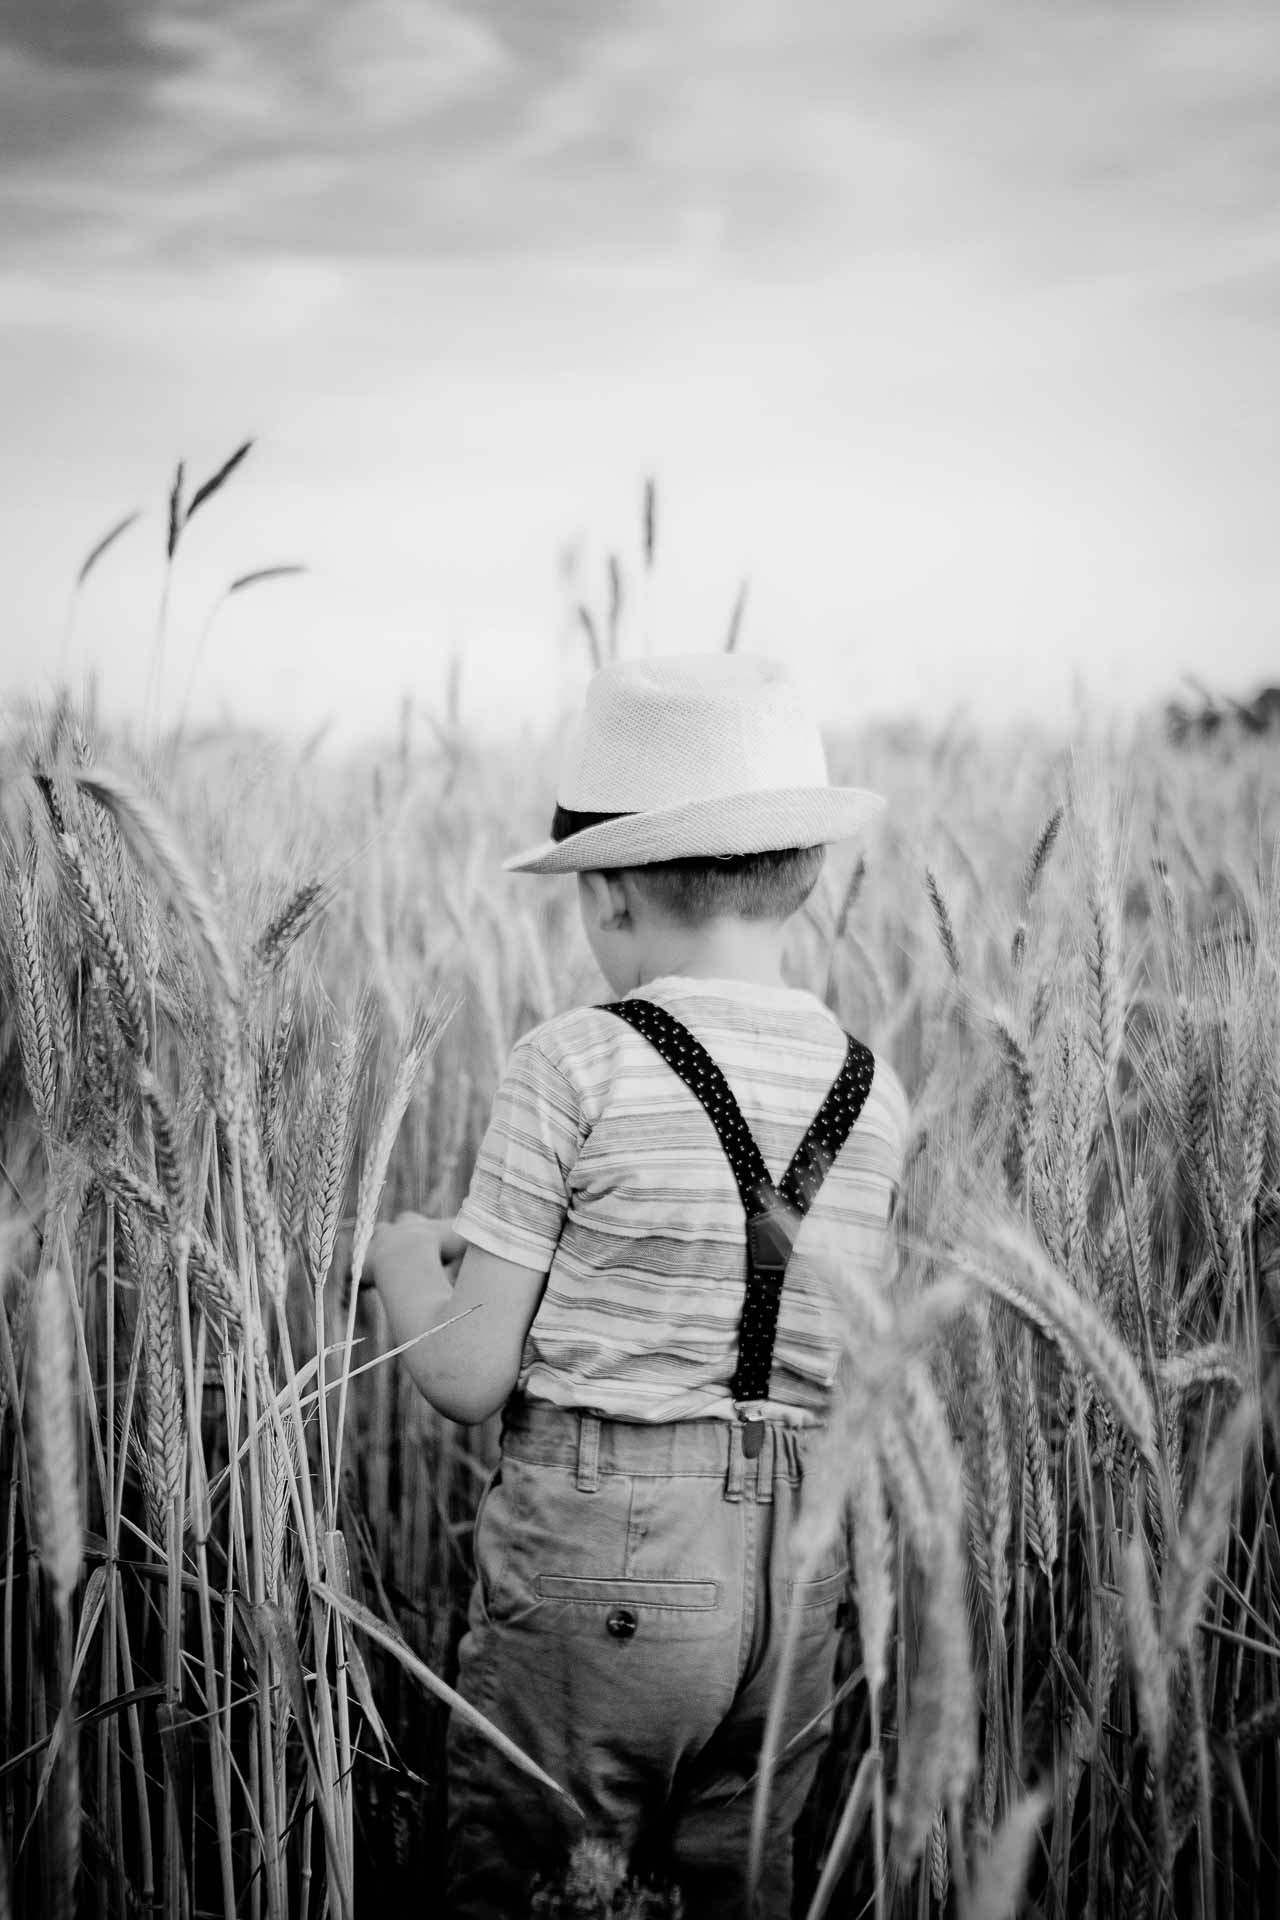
{"x": 773, "y": 1213}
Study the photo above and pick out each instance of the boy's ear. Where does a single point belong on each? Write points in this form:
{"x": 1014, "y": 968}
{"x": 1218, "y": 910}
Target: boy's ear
{"x": 605, "y": 897}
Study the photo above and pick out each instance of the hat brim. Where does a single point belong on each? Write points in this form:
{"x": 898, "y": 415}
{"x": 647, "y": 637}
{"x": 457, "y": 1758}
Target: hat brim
{"x": 759, "y": 822}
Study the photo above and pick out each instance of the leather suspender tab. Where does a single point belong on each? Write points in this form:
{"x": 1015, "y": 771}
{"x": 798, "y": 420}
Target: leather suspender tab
{"x": 771, "y": 1236}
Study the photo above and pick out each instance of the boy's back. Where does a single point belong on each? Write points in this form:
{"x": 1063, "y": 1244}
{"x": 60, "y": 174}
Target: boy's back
{"x": 600, "y": 1167}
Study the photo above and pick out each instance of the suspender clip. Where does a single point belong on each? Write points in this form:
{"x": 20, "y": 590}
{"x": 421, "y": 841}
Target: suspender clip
{"x": 752, "y": 1420}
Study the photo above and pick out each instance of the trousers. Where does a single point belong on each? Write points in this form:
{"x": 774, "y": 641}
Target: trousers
{"x": 633, "y": 1584}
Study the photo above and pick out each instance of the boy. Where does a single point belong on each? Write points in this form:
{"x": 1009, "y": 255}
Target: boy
{"x": 661, "y": 1321}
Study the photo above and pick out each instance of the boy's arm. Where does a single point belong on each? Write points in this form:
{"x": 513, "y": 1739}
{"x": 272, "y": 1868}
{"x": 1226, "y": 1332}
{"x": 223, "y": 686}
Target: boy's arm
{"x": 467, "y": 1368}
{"x": 510, "y": 1226}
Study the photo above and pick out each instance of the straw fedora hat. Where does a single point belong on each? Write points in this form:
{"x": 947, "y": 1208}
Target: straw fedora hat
{"x": 699, "y": 754}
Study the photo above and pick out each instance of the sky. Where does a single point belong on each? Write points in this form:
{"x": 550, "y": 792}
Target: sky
{"x": 948, "y": 325}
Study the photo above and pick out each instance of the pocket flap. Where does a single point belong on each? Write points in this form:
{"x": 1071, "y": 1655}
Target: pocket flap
{"x": 696, "y": 1594}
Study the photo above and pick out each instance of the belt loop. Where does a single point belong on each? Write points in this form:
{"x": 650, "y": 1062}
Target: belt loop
{"x": 734, "y": 1478}
{"x": 588, "y": 1453}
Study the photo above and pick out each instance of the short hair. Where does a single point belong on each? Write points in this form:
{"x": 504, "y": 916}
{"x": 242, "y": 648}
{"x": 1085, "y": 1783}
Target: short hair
{"x": 754, "y": 886}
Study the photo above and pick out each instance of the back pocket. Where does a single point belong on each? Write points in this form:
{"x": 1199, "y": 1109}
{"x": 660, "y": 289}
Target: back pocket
{"x": 822, "y": 1595}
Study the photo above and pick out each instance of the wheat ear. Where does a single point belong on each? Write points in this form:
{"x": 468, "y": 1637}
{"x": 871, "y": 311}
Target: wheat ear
{"x": 1039, "y": 857}
{"x": 164, "y": 1424}
{"x": 997, "y": 1499}
{"x": 872, "y": 1565}
{"x": 264, "y": 1217}
{"x": 109, "y": 950}
{"x": 1038, "y": 1290}
{"x": 52, "y": 1429}
{"x": 333, "y": 1155}
{"x": 291, "y": 922}
{"x": 1000, "y": 1874}
{"x": 164, "y": 1140}
{"x": 1151, "y": 1677}
{"x": 1204, "y": 1525}
{"x": 35, "y": 1028}
{"x": 271, "y": 1083}
{"x": 942, "y": 920}
{"x": 153, "y": 842}
{"x": 1106, "y": 978}
{"x": 1207, "y": 1366}
{"x": 937, "y": 1752}
{"x": 1038, "y": 1500}
{"x": 415, "y": 1049}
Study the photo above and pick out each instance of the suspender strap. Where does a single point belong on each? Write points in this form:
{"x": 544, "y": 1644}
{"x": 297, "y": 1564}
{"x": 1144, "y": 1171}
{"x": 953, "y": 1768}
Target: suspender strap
{"x": 830, "y": 1127}
{"x": 773, "y": 1213}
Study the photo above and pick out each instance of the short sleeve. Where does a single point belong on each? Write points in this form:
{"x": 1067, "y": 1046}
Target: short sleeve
{"x": 519, "y": 1194}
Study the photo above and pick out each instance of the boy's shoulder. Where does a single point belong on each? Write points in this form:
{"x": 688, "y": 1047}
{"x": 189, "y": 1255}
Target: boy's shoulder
{"x": 577, "y": 1040}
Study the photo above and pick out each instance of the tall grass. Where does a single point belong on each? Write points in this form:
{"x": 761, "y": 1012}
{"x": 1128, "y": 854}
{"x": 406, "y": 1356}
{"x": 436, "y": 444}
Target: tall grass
{"x": 236, "y": 1543}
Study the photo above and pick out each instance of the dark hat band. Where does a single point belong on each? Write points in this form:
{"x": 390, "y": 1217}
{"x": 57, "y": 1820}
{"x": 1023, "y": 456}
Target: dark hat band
{"x": 567, "y": 821}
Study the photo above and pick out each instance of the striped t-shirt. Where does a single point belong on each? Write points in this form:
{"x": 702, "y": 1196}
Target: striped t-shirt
{"x": 600, "y": 1168}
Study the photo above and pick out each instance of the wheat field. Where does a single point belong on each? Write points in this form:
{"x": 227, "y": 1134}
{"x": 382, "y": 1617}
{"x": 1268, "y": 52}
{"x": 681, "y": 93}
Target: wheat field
{"x": 251, "y": 999}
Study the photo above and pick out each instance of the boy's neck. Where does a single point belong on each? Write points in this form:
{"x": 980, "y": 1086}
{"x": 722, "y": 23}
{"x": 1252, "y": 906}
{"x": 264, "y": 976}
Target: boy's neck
{"x": 746, "y": 950}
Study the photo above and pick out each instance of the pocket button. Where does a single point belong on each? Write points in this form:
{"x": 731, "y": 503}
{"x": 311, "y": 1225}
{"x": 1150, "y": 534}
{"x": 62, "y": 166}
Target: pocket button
{"x": 621, "y": 1623}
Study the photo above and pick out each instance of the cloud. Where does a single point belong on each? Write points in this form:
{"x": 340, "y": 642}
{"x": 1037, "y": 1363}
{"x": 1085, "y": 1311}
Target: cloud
{"x": 275, "y": 74}
{"x": 779, "y": 135}
{"x": 225, "y": 128}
